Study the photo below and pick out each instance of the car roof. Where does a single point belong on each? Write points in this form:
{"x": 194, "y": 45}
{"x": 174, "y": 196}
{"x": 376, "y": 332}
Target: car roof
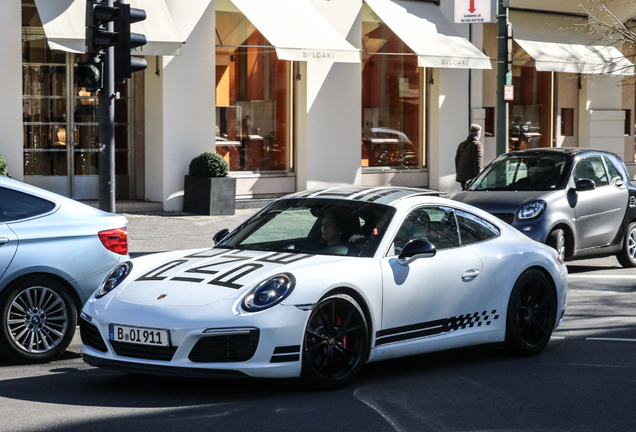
{"x": 380, "y": 195}
{"x": 30, "y": 189}
{"x": 568, "y": 151}
{"x": 58, "y": 200}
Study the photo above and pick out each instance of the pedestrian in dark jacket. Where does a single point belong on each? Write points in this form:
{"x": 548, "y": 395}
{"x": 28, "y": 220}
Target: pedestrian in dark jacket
{"x": 469, "y": 157}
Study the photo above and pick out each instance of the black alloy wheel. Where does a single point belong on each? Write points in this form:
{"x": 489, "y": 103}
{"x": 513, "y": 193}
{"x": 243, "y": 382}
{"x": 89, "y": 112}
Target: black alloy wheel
{"x": 627, "y": 255}
{"x": 336, "y": 342}
{"x": 37, "y": 320}
{"x": 531, "y": 314}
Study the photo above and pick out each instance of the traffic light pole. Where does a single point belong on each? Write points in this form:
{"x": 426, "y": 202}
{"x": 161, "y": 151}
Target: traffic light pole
{"x": 106, "y": 130}
{"x": 502, "y": 70}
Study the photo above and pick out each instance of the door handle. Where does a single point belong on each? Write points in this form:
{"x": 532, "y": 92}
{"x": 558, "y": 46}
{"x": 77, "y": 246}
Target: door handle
{"x": 469, "y": 275}
{"x": 3, "y": 240}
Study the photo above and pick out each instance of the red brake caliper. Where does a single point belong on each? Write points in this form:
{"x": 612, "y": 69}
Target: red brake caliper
{"x": 344, "y": 338}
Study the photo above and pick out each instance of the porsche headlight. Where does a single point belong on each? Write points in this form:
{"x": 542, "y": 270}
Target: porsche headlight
{"x": 114, "y": 278}
{"x": 531, "y": 210}
{"x": 269, "y": 292}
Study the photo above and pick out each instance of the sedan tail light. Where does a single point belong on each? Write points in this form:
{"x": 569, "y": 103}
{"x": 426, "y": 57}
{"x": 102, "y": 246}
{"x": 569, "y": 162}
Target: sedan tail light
{"x": 115, "y": 240}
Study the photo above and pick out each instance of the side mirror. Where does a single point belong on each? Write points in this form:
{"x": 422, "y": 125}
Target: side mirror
{"x": 617, "y": 181}
{"x": 416, "y": 249}
{"x": 220, "y": 235}
{"x": 585, "y": 185}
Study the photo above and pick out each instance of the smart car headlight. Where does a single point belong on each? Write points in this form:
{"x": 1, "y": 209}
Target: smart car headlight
{"x": 114, "y": 278}
{"x": 269, "y": 292}
{"x": 531, "y": 210}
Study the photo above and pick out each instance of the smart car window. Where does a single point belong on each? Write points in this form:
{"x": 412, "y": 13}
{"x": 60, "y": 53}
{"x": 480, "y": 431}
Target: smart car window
{"x": 16, "y": 205}
{"x": 611, "y": 169}
{"x": 527, "y": 171}
{"x": 474, "y": 229}
{"x": 591, "y": 168}
{"x": 434, "y": 224}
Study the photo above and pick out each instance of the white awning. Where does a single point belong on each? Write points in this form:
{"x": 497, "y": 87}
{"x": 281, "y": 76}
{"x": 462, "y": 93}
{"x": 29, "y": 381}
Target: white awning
{"x": 297, "y": 31}
{"x": 561, "y": 44}
{"x": 64, "y": 26}
{"x": 426, "y": 31}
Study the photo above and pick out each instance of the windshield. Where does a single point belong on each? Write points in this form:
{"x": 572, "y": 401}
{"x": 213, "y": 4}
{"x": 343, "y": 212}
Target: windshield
{"x": 528, "y": 172}
{"x": 315, "y": 226}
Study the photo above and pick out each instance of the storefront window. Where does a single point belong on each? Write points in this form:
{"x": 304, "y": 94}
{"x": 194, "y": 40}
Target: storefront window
{"x": 252, "y": 94}
{"x": 44, "y": 110}
{"x": 391, "y": 100}
{"x": 530, "y": 112}
{"x": 50, "y": 110}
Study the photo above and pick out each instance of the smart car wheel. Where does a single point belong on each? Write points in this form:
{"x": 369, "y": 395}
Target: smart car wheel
{"x": 531, "y": 314}
{"x": 37, "y": 320}
{"x": 336, "y": 342}
{"x": 556, "y": 240}
{"x": 627, "y": 255}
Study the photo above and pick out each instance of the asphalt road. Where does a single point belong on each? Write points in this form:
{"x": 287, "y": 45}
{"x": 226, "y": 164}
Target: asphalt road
{"x": 583, "y": 381}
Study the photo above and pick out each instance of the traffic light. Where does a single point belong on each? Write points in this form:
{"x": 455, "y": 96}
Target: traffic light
{"x": 98, "y": 38}
{"x": 125, "y": 63}
{"x": 88, "y": 74}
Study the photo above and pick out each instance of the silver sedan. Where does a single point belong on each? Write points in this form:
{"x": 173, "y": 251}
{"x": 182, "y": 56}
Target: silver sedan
{"x": 54, "y": 252}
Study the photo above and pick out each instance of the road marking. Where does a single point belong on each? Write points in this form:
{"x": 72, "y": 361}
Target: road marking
{"x": 583, "y": 276}
{"x": 611, "y": 339}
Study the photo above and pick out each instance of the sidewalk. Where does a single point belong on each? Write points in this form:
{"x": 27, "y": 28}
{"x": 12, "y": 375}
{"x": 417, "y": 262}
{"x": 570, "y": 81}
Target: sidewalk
{"x": 167, "y": 231}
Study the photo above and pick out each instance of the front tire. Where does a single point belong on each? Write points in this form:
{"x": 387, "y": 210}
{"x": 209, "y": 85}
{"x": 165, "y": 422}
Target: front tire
{"x": 627, "y": 255}
{"x": 37, "y": 320}
{"x": 336, "y": 342}
{"x": 531, "y": 314}
{"x": 556, "y": 240}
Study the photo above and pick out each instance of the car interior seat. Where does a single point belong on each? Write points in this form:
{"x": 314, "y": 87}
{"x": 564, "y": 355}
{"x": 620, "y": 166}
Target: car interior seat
{"x": 584, "y": 170}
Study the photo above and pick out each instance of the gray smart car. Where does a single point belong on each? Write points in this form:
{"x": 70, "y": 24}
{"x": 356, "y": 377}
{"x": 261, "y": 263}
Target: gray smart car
{"x": 579, "y": 201}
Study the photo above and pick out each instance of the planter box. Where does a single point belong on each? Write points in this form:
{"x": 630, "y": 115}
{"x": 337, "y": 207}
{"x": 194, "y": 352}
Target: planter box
{"x": 209, "y": 196}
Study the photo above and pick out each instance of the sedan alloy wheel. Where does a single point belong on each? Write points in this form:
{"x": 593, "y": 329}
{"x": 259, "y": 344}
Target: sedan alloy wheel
{"x": 38, "y": 320}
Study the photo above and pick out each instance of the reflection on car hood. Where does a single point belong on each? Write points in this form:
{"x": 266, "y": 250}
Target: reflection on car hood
{"x": 500, "y": 201}
{"x": 203, "y": 277}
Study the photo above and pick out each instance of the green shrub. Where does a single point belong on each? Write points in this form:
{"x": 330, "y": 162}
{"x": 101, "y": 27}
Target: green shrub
{"x": 3, "y": 166}
{"x": 209, "y": 165}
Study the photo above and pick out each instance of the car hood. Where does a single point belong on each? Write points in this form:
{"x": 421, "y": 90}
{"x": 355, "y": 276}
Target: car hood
{"x": 205, "y": 276}
{"x": 500, "y": 201}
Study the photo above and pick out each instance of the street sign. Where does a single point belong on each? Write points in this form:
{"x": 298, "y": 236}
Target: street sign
{"x": 508, "y": 77}
{"x": 509, "y": 92}
{"x": 475, "y": 11}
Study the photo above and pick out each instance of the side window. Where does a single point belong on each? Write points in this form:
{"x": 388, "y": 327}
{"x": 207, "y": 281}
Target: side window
{"x": 474, "y": 229}
{"x": 437, "y": 225}
{"x": 591, "y": 168}
{"x": 611, "y": 169}
{"x": 17, "y": 205}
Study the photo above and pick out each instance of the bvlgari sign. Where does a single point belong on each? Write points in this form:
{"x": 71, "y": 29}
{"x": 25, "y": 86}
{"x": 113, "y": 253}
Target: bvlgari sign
{"x": 475, "y": 11}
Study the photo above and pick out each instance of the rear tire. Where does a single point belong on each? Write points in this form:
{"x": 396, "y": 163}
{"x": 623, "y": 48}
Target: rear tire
{"x": 37, "y": 320}
{"x": 336, "y": 343}
{"x": 531, "y": 314}
{"x": 556, "y": 240}
{"x": 627, "y": 255}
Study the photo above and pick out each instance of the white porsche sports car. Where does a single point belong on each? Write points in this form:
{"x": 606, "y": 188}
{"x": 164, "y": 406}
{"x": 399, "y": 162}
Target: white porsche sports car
{"x": 320, "y": 282}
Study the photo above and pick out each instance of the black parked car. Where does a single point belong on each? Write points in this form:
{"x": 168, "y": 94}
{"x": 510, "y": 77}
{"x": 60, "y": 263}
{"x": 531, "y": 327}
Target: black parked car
{"x": 579, "y": 201}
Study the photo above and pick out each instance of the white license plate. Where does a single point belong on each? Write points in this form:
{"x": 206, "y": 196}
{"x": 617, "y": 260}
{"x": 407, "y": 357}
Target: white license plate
{"x": 139, "y": 335}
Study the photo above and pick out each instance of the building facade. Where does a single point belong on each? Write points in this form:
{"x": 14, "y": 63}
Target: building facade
{"x": 302, "y": 94}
